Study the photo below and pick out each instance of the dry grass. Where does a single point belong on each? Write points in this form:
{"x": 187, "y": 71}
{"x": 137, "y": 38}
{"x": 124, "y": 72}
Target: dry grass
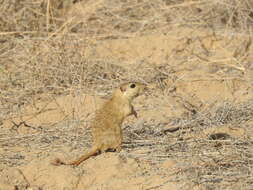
{"x": 217, "y": 161}
{"x": 223, "y": 162}
{"x": 43, "y": 54}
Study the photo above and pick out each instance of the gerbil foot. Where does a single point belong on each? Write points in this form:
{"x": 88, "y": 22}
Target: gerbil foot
{"x": 111, "y": 150}
{"x": 118, "y": 149}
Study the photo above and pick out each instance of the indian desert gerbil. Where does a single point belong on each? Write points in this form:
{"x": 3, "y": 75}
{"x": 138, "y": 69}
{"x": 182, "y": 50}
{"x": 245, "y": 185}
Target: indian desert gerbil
{"x": 106, "y": 127}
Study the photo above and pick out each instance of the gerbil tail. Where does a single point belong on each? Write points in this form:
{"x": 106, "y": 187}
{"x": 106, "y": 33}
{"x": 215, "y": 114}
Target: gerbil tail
{"x": 92, "y": 152}
{"x": 58, "y": 162}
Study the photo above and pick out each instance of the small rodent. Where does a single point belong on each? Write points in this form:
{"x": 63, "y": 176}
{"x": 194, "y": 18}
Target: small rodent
{"x": 106, "y": 127}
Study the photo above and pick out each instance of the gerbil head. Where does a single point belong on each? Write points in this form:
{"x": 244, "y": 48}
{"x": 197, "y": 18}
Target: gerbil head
{"x": 132, "y": 89}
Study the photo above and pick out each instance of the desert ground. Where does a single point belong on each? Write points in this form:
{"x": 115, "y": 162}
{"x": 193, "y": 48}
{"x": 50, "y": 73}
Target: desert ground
{"x": 61, "y": 59}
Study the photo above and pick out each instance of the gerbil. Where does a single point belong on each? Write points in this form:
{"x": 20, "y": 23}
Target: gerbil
{"x": 106, "y": 126}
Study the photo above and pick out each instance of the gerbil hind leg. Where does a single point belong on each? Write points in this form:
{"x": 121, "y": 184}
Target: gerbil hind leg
{"x": 93, "y": 152}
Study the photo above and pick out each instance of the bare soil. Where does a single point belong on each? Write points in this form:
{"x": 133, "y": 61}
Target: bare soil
{"x": 60, "y": 60}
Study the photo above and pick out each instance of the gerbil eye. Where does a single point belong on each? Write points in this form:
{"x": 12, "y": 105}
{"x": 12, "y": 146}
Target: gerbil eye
{"x": 132, "y": 86}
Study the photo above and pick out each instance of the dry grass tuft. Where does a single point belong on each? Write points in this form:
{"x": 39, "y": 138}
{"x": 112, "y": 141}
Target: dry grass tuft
{"x": 44, "y": 52}
{"x": 219, "y": 161}
{"x": 43, "y": 46}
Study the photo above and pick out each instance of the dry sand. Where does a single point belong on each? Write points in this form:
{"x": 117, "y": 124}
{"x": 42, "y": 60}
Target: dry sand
{"x": 195, "y": 124}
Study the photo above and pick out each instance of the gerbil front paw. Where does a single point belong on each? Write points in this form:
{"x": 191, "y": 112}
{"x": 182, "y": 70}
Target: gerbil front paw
{"x": 134, "y": 113}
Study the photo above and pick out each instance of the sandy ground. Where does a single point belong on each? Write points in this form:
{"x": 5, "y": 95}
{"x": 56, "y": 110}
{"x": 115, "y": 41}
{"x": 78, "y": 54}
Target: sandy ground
{"x": 194, "y": 128}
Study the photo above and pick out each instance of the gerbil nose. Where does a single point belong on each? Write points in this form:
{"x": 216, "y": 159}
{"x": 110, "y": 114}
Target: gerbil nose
{"x": 145, "y": 87}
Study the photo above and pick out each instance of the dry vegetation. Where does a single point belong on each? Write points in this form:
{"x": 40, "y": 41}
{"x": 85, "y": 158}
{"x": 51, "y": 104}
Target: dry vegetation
{"x": 47, "y": 50}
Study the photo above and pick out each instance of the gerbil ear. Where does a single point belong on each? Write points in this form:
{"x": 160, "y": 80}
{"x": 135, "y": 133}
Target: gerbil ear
{"x": 123, "y": 88}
